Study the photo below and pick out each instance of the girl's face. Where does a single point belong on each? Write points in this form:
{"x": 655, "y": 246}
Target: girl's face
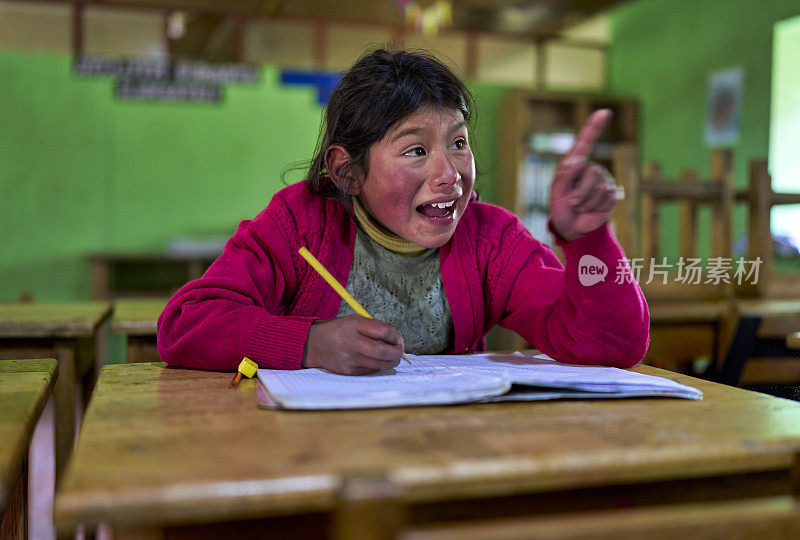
{"x": 420, "y": 177}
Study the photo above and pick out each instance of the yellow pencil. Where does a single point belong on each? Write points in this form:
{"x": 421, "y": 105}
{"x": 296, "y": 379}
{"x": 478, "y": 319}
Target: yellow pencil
{"x": 322, "y": 271}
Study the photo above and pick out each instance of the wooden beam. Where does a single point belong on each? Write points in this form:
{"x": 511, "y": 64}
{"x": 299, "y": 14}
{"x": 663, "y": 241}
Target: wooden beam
{"x": 320, "y": 43}
{"x": 77, "y": 29}
{"x": 784, "y": 198}
{"x": 671, "y": 190}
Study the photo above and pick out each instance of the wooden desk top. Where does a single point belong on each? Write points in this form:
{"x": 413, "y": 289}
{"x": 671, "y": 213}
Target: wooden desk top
{"x": 679, "y": 311}
{"x": 766, "y": 308}
{"x": 137, "y": 316}
{"x": 162, "y": 445}
{"x": 66, "y": 320}
{"x": 779, "y": 317}
{"x": 24, "y": 388}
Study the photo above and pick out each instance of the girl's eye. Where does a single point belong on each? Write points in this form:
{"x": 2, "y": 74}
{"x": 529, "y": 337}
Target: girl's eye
{"x": 415, "y": 152}
{"x": 460, "y": 144}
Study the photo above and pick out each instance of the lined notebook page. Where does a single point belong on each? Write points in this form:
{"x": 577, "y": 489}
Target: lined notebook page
{"x": 318, "y": 389}
{"x": 441, "y": 379}
{"x": 541, "y": 370}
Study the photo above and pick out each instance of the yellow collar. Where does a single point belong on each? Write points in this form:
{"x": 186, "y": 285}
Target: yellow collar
{"x": 382, "y": 235}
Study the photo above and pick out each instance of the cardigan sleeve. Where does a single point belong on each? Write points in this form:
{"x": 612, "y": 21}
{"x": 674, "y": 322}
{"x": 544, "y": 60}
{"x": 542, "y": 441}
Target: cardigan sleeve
{"x": 238, "y": 307}
{"x": 589, "y": 311}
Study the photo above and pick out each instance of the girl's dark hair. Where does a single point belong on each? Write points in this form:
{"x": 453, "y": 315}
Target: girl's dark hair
{"x": 381, "y": 89}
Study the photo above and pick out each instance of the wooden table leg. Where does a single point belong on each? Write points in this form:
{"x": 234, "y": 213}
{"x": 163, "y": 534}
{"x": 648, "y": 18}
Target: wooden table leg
{"x": 64, "y": 396}
{"x": 142, "y": 349}
{"x": 367, "y": 508}
{"x": 100, "y": 281}
{"x": 15, "y": 519}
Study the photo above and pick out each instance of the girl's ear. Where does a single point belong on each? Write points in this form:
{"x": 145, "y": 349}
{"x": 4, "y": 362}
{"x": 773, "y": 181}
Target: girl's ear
{"x": 336, "y": 157}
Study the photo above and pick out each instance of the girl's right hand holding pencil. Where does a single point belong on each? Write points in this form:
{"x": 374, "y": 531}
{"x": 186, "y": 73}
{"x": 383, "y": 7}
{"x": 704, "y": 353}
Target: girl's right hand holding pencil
{"x": 352, "y": 345}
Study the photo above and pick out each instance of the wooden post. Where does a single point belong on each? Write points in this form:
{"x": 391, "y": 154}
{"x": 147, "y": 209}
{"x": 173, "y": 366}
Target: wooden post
{"x": 688, "y": 220}
{"x": 239, "y": 37}
{"x": 77, "y": 29}
{"x": 398, "y": 37}
{"x": 320, "y": 44}
{"x": 367, "y": 508}
{"x": 625, "y": 215}
{"x": 722, "y": 210}
{"x": 540, "y": 76}
{"x": 64, "y": 395}
{"x": 721, "y": 223}
{"x": 508, "y": 183}
{"x": 759, "y": 236}
{"x": 650, "y": 216}
{"x": 471, "y": 68}
{"x": 100, "y": 279}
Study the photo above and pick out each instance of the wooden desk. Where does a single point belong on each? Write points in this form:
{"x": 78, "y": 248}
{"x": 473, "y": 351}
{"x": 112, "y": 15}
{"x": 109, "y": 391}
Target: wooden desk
{"x": 136, "y": 319}
{"x": 66, "y": 332}
{"x": 171, "y": 449}
{"x": 680, "y": 331}
{"x": 778, "y": 317}
{"x": 25, "y": 386}
{"x": 758, "y": 353}
{"x": 145, "y": 273}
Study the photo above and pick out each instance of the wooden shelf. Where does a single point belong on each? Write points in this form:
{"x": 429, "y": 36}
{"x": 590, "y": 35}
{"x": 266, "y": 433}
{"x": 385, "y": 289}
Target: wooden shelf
{"x": 523, "y": 114}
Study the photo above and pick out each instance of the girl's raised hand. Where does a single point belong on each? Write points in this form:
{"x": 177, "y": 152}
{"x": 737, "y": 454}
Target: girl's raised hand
{"x": 583, "y": 193}
{"x": 352, "y": 345}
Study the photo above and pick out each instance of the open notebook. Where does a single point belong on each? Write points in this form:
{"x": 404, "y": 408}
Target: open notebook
{"x": 445, "y": 379}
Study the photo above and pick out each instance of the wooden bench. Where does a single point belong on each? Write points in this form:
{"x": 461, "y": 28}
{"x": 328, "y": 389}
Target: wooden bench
{"x": 135, "y": 318}
{"x": 66, "y": 332}
{"x": 25, "y": 386}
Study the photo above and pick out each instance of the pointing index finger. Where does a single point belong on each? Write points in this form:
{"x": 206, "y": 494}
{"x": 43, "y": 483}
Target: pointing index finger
{"x": 588, "y": 136}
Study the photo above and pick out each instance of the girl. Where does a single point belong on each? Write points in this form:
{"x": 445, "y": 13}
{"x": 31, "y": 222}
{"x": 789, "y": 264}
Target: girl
{"x": 387, "y": 206}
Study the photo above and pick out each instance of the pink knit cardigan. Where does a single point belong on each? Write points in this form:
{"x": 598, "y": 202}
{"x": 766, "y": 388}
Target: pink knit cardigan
{"x": 260, "y": 298}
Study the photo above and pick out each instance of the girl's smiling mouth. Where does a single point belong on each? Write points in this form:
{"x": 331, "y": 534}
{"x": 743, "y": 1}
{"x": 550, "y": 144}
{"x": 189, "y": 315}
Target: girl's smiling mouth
{"x": 438, "y": 210}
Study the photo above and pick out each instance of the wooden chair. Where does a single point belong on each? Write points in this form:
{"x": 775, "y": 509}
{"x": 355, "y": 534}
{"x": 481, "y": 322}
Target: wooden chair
{"x": 687, "y": 319}
{"x": 769, "y": 309}
{"x": 734, "y": 322}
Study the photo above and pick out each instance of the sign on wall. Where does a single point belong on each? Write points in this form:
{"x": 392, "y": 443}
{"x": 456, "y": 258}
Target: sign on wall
{"x": 160, "y": 80}
{"x": 724, "y": 107}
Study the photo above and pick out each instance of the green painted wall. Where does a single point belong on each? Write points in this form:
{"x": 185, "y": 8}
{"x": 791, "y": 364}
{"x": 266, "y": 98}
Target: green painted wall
{"x": 484, "y": 136}
{"x": 663, "y": 52}
{"x": 81, "y": 171}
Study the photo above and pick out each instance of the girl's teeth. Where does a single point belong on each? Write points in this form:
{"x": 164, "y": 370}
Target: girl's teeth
{"x": 442, "y": 205}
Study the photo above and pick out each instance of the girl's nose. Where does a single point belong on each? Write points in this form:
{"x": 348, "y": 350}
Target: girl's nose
{"x": 445, "y": 172}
